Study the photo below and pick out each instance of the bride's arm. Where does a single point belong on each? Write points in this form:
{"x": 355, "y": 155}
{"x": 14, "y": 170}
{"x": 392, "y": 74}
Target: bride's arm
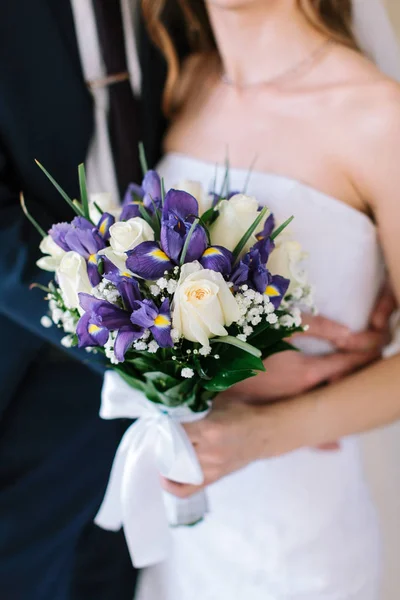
{"x": 236, "y": 434}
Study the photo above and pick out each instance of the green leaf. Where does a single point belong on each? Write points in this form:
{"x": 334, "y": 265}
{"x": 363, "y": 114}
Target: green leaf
{"x": 242, "y": 243}
{"x": 143, "y": 363}
{"x": 187, "y": 241}
{"x": 29, "y": 216}
{"x": 281, "y": 228}
{"x": 225, "y": 380}
{"x": 161, "y": 381}
{"x": 162, "y": 191}
{"x": 278, "y": 347}
{"x": 134, "y": 382}
{"x": 249, "y": 173}
{"x": 145, "y": 215}
{"x": 83, "y": 189}
{"x": 233, "y": 359}
{"x": 74, "y": 207}
{"x": 233, "y": 341}
{"x": 225, "y": 182}
{"x": 142, "y": 158}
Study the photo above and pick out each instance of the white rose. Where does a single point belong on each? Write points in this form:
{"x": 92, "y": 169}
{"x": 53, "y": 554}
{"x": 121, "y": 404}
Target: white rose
{"x": 203, "y": 304}
{"x": 286, "y": 261}
{"x": 55, "y": 254}
{"x": 197, "y": 191}
{"x": 106, "y": 202}
{"x": 235, "y": 217}
{"x": 117, "y": 258}
{"x": 73, "y": 278}
{"x": 127, "y": 235}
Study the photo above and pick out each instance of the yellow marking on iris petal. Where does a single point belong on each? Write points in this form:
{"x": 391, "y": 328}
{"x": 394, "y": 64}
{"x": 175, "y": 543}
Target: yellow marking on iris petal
{"x": 212, "y": 252}
{"x": 159, "y": 254}
{"x": 103, "y": 227}
{"x": 93, "y": 329}
{"x": 271, "y": 291}
{"x": 126, "y": 274}
{"x": 93, "y": 259}
{"x": 162, "y": 321}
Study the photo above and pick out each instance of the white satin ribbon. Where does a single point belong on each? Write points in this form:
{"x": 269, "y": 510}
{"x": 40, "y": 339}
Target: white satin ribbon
{"x": 155, "y": 444}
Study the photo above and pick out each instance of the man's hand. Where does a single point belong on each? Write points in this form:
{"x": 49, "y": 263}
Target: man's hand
{"x": 303, "y": 372}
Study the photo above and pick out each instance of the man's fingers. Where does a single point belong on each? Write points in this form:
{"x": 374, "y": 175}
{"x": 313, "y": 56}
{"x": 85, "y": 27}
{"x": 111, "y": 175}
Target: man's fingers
{"x": 321, "y": 327}
{"x": 384, "y": 307}
{"x": 366, "y": 341}
{"x": 337, "y": 365}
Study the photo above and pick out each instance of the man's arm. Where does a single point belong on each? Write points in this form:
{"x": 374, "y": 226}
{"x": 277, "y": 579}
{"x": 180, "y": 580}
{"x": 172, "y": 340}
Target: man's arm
{"x": 19, "y": 251}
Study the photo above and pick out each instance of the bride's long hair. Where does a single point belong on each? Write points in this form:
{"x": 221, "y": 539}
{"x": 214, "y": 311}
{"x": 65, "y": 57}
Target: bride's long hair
{"x": 333, "y": 18}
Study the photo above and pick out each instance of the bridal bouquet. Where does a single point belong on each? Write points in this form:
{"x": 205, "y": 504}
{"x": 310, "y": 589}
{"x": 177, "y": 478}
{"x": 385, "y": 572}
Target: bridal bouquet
{"x": 185, "y": 293}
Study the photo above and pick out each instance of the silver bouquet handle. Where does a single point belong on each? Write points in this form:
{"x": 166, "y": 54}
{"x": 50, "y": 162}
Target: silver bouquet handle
{"x": 186, "y": 511}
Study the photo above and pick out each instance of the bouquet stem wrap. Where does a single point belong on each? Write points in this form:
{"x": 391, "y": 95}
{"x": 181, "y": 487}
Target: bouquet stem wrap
{"x": 155, "y": 444}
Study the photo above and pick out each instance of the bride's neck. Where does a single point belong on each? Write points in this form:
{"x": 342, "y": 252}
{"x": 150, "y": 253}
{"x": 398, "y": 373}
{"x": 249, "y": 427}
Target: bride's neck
{"x": 258, "y": 40}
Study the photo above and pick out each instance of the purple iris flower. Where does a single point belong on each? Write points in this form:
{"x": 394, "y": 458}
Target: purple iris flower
{"x": 125, "y": 283}
{"x": 252, "y": 271}
{"x": 58, "y": 233}
{"x": 179, "y": 211}
{"x": 150, "y": 260}
{"x": 217, "y": 258}
{"x": 82, "y": 237}
{"x": 157, "y": 320}
{"x": 104, "y": 225}
{"x": 151, "y": 186}
{"x": 132, "y": 200}
{"x": 99, "y": 319}
{"x": 148, "y": 195}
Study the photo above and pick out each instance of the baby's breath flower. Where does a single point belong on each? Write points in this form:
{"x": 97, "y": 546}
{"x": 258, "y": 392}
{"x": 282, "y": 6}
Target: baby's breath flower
{"x": 286, "y": 321}
{"x": 154, "y": 290}
{"x": 46, "y": 322}
{"x": 247, "y": 330}
{"x": 187, "y": 373}
{"x": 139, "y": 345}
{"x": 162, "y": 283}
{"x": 242, "y": 337}
{"x": 153, "y": 347}
{"x": 172, "y": 285}
{"x": 175, "y": 335}
{"x": 272, "y": 319}
{"x": 205, "y": 350}
{"x": 67, "y": 341}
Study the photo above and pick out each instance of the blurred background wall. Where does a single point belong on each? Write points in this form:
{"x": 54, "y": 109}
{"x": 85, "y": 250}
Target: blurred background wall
{"x": 394, "y": 7}
{"x": 382, "y": 452}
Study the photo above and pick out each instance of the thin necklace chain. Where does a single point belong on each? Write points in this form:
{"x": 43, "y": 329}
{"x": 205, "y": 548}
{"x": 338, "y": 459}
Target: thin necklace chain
{"x": 306, "y": 62}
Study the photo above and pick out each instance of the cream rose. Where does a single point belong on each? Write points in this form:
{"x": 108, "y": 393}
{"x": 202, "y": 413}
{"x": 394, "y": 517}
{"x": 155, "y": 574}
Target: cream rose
{"x": 235, "y": 217}
{"x": 197, "y": 191}
{"x": 286, "y": 260}
{"x": 73, "y": 278}
{"x": 106, "y": 202}
{"x": 203, "y": 304}
{"x": 54, "y": 252}
{"x": 126, "y": 235}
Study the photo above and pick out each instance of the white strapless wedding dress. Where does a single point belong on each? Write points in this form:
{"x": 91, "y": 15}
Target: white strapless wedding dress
{"x": 301, "y": 526}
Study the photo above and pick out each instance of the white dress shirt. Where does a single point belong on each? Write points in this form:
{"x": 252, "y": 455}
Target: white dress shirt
{"x": 99, "y": 162}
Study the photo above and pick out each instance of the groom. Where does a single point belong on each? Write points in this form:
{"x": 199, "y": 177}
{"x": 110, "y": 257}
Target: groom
{"x": 69, "y": 93}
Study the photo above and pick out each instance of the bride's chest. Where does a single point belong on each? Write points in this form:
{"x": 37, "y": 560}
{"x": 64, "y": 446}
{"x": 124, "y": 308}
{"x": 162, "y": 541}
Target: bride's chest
{"x": 301, "y": 144}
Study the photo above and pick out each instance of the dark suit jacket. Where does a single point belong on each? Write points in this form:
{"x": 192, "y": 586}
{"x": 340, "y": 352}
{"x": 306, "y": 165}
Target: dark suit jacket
{"x": 46, "y": 113}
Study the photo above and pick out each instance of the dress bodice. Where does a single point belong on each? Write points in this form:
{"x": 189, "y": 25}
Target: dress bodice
{"x": 344, "y": 261}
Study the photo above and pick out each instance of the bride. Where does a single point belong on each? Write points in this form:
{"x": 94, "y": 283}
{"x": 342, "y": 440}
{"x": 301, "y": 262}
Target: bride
{"x": 286, "y": 81}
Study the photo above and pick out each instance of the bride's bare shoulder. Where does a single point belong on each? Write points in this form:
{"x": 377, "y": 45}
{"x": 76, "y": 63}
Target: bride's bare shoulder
{"x": 365, "y": 102}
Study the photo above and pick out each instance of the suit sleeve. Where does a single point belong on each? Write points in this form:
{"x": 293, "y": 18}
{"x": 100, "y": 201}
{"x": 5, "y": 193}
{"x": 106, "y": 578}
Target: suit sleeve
{"x": 19, "y": 251}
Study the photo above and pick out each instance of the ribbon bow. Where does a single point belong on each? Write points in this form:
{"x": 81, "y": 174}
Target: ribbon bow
{"x": 155, "y": 444}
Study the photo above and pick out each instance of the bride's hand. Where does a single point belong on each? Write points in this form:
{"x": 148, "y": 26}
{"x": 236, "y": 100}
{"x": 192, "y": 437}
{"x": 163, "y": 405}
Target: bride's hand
{"x": 236, "y": 433}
